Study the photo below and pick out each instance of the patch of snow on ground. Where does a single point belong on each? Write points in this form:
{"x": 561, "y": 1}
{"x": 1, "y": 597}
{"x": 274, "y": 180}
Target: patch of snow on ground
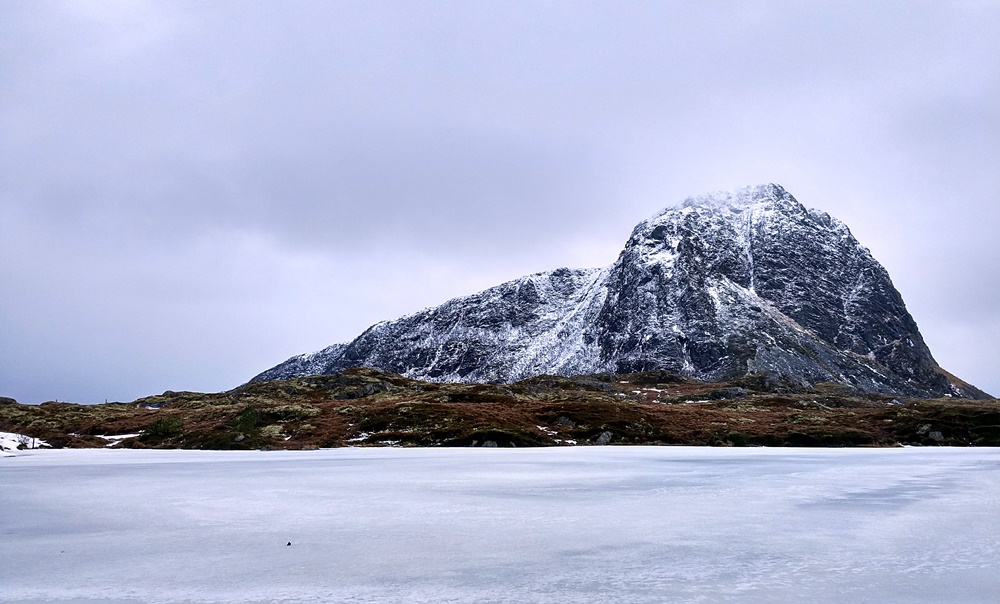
{"x": 114, "y": 439}
{"x": 10, "y": 441}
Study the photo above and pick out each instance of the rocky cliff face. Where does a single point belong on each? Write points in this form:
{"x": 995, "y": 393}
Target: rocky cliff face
{"x": 724, "y": 285}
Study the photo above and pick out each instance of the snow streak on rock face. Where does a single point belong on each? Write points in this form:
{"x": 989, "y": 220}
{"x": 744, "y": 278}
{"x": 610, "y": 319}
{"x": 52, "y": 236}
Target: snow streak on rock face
{"x": 724, "y": 285}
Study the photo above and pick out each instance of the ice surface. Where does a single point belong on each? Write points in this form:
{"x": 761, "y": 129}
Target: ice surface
{"x": 594, "y": 524}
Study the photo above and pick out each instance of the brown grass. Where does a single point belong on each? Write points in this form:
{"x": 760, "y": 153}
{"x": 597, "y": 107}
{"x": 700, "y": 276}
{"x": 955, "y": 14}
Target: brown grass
{"x": 364, "y": 407}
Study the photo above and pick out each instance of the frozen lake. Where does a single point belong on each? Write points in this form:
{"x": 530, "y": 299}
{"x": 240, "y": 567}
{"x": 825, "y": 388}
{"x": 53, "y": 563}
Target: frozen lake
{"x": 587, "y": 524}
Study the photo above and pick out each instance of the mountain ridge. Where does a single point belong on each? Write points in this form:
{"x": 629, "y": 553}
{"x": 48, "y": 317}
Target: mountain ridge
{"x": 722, "y": 285}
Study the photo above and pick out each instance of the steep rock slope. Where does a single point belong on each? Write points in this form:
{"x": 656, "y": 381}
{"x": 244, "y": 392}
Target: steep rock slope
{"x": 723, "y": 285}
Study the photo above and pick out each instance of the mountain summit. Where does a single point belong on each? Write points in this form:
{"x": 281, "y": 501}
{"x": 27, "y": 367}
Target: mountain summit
{"x": 726, "y": 284}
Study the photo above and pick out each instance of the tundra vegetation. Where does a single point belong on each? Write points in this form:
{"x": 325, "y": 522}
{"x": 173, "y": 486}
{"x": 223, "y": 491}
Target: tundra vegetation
{"x": 367, "y": 407}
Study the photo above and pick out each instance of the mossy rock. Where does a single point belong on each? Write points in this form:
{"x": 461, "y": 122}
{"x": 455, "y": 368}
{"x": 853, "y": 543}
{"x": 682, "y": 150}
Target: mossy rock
{"x": 272, "y": 431}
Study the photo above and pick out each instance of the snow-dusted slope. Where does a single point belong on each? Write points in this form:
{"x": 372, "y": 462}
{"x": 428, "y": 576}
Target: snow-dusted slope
{"x": 723, "y": 285}
{"x": 532, "y": 325}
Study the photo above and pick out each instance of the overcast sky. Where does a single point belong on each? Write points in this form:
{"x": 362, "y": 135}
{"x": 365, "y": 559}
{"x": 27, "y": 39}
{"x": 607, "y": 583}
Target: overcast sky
{"x": 191, "y": 192}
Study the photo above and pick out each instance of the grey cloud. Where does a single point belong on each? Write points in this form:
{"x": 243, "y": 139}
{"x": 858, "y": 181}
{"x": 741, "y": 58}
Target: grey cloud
{"x": 386, "y": 154}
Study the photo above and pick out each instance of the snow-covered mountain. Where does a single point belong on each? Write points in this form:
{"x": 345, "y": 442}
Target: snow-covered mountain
{"x": 723, "y": 285}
